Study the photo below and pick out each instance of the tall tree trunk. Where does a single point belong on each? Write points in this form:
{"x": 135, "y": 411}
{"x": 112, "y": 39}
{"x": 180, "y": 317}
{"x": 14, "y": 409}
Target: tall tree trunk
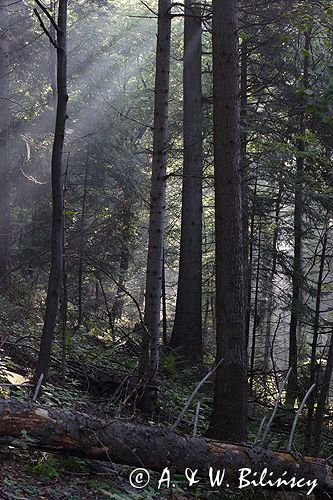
{"x": 291, "y": 392}
{"x": 82, "y": 247}
{"x": 164, "y": 306}
{"x": 53, "y": 59}
{"x": 4, "y": 128}
{"x": 245, "y": 190}
{"x": 64, "y": 312}
{"x": 55, "y": 276}
{"x": 313, "y": 362}
{"x": 270, "y": 290}
{"x": 151, "y": 339}
{"x": 229, "y": 418}
{"x": 187, "y": 330}
{"x": 323, "y": 395}
{"x": 255, "y": 309}
{"x": 117, "y": 308}
{"x": 248, "y": 277}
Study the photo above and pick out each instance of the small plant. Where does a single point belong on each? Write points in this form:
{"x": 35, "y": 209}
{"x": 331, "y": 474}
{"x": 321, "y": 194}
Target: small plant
{"x": 46, "y": 468}
{"x": 170, "y": 363}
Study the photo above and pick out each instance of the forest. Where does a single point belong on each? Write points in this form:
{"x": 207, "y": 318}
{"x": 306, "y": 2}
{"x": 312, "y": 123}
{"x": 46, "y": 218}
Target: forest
{"x": 166, "y": 237}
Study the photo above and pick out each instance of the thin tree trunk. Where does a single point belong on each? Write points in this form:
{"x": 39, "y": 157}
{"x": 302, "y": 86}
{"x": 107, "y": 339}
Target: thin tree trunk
{"x": 64, "y": 316}
{"x": 248, "y": 281}
{"x": 64, "y": 290}
{"x": 270, "y": 291}
{"x": 55, "y": 276}
{"x": 187, "y": 330}
{"x": 291, "y": 392}
{"x": 53, "y": 59}
{"x": 4, "y": 130}
{"x": 82, "y": 245}
{"x": 255, "y": 311}
{"x": 323, "y": 395}
{"x": 314, "y": 345}
{"x": 229, "y": 418}
{"x": 107, "y": 309}
{"x": 118, "y": 305}
{"x": 117, "y": 308}
{"x": 151, "y": 338}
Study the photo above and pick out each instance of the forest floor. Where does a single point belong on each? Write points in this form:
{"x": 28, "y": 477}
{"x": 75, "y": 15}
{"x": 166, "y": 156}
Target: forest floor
{"x": 100, "y": 380}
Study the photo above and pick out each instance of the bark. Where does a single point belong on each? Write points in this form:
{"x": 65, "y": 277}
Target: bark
{"x": 229, "y": 418}
{"x": 245, "y": 190}
{"x": 121, "y": 442}
{"x": 150, "y": 357}
{"x": 187, "y": 331}
{"x": 297, "y": 279}
{"x": 55, "y": 276}
{"x": 164, "y": 306}
{"x": 4, "y": 129}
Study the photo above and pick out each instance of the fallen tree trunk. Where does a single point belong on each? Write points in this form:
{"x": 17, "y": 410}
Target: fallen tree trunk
{"x": 147, "y": 446}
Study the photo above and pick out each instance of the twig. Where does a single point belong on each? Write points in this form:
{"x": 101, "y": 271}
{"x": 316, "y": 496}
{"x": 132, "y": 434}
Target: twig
{"x": 190, "y": 399}
{"x": 123, "y": 289}
{"x": 196, "y": 420}
{"x": 39, "y": 383}
{"x": 46, "y": 12}
{"x": 260, "y": 429}
{"x": 44, "y": 28}
{"x": 298, "y": 414}
{"x": 16, "y": 385}
{"x": 147, "y": 7}
{"x": 275, "y": 407}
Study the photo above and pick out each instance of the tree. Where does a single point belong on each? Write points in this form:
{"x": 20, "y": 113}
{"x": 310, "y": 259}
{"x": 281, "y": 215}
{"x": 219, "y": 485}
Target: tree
{"x": 313, "y": 379}
{"x": 151, "y": 338}
{"x": 229, "y": 418}
{"x": 79, "y": 434}
{"x": 291, "y": 393}
{"x": 323, "y": 395}
{"x": 55, "y": 276}
{"x": 4, "y": 128}
{"x": 187, "y": 330}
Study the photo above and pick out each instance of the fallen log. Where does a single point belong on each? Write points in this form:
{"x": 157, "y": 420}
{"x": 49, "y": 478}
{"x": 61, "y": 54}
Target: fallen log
{"x": 151, "y": 447}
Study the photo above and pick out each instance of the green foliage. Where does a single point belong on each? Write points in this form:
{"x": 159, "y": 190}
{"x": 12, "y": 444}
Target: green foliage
{"x": 46, "y": 468}
{"x": 169, "y": 364}
{"x": 64, "y": 397}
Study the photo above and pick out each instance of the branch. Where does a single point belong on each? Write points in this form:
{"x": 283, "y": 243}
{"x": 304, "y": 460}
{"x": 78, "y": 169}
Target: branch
{"x": 260, "y": 429}
{"x": 147, "y": 7}
{"x": 262, "y": 442}
{"x": 196, "y": 420}
{"x": 194, "y": 393}
{"x": 50, "y": 17}
{"x": 44, "y": 28}
{"x": 299, "y": 411}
